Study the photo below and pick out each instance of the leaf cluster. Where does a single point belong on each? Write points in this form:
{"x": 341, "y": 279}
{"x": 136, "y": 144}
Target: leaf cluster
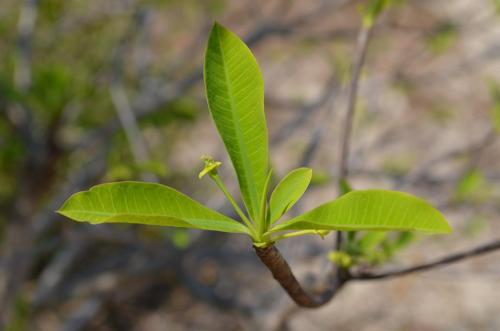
{"x": 235, "y": 94}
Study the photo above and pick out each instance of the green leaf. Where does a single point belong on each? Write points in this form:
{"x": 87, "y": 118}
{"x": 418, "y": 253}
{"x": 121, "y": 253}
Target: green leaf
{"x": 371, "y": 210}
{"x": 145, "y": 203}
{"x": 263, "y": 224}
{"x": 288, "y": 192}
{"x": 235, "y": 94}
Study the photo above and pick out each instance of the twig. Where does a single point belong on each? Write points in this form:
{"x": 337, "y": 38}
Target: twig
{"x": 306, "y": 111}
{"x": 453, "y": 258}
{"x": 17, "y": 235}
{"x": 281, "y": 271}
{"x": 17, "y": 114}
{"x": 150, "y": 99}
{"x": 362, "y": 43}
{"x": 57, "y": 270}
{"x": 25, "y": 28}
{"x": 122, "y": 105}
{"x": 473, "y": 151}
{"x": 127, "y": 119}
{"x": 361, "y": 48}
{"x": 87, "y": 310}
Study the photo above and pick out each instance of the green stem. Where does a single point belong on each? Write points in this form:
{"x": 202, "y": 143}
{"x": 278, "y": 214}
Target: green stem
{"x": 220, "y": 184}
{"x": 262, "y": 222}
{"x": 295, "y": 234}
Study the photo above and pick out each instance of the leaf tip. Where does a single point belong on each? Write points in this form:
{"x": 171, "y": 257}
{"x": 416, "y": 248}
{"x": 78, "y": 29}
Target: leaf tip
{"x": 447, "y": 229}
{"x": 216, "y": 27}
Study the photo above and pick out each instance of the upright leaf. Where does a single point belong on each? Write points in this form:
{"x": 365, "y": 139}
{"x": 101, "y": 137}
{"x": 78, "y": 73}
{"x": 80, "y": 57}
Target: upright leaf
{"x": 145, "y": 203}
{"x": 288, "y": 192}
{"x": 235, "y": 94}
{"x": 371, "y": 210}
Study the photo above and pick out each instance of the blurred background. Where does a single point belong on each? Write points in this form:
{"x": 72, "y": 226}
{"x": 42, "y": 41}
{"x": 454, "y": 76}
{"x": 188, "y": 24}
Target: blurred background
{"x": 96, "y": 91}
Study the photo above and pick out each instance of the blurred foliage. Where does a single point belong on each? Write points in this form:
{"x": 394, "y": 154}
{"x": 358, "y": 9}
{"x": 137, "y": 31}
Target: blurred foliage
{"x": 476, "y": 225}
{"x": 399, "y": 164}
{"x": 73, "y": 54}
{"x": 496, "y": 6}
{"x": 320, "y": 177}
{"x": 19, "y": 321}
{"x": 443, "y": 37}
{"x": 442, "y": 113}
{"x": 179, "y": 109}
{"x": 371, "y": 248}
{"x": 179, "y": 237}
{"x": 495, "y": 109}
{"x": 473, "y": 186}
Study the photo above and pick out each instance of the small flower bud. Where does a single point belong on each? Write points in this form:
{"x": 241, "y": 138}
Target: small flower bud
{"x": 210, "y": 166}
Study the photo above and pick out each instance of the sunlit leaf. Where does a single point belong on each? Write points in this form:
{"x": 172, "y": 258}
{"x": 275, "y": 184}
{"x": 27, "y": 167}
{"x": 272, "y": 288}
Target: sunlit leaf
{"x": 235, "y": 94}
{"x": 145, "y": 203}
{"x": 371, "y": 210}
{"x": 288, "y": 192}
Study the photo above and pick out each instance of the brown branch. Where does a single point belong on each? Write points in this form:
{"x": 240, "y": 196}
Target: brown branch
{"x": 281, "y": 271}
{"x": 453, "y": 258}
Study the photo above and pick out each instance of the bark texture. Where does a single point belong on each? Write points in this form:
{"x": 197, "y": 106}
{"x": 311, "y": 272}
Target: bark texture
{"x": 281, "y": 271}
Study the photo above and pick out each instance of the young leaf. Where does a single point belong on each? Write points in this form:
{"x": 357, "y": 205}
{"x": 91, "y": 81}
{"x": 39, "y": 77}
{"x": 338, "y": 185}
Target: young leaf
{"x": 145, "y": 203}
{"x": 235, "y": 94}
{"x": 371, "y": 210}
{"x": 262, "y": 222}
{"x": 288, "y": 192}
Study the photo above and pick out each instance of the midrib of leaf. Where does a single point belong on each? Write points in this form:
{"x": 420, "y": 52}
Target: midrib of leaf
{"x": 145, "y": 203}
{"x": 253, "y": 196}
{"x": 385, "y": 215}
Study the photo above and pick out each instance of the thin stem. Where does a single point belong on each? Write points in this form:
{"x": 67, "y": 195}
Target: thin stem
{"x": 483, "y": 249}
{"x": 294, "y": 234}
{"x": 361, "y": 48}
{"x": 215, "y": 177}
